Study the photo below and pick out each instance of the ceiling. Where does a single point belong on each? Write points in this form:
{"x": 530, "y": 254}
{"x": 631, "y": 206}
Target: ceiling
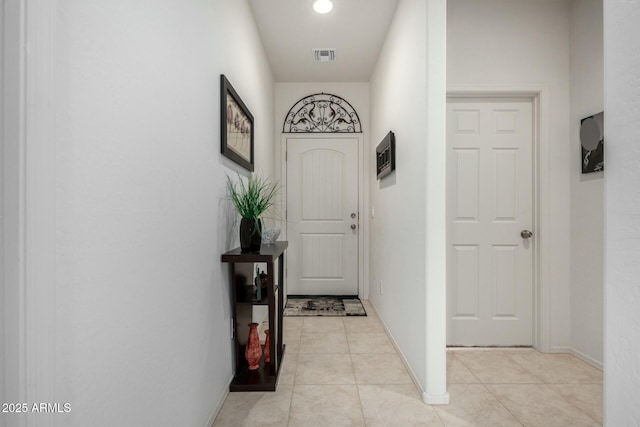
{"x": 290, "y": 29}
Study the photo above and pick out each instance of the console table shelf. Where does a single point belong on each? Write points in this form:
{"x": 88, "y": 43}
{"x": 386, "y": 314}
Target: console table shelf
{"x": 241, "y": 266}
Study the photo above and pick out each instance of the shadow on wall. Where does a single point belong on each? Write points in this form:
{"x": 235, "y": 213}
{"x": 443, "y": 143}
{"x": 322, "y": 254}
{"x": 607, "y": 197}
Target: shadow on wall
{"x": 387, "y": 181}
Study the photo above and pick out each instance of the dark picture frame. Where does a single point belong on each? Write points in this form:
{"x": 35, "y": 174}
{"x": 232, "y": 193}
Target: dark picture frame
{"x": 386, "y": 156}
{"x": 592, "y": 143}
{"x": 236, "y": 126}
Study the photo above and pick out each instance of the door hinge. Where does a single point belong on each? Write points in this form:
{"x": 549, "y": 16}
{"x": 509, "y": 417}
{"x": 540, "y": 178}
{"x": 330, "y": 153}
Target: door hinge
{"x": 286, "y": 156}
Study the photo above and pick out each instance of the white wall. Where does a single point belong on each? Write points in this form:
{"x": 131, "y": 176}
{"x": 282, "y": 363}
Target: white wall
{"x": 3, "y": 344}
{"x": 397, "y": 244}
{"x": 11, "y": 129}
{"x": 143, "y": 305}
{"x": 436, "y": 201}
{"x": 520, "y": 44}
{"x": 622, "y": 212}
{"x": 587, "y": 204}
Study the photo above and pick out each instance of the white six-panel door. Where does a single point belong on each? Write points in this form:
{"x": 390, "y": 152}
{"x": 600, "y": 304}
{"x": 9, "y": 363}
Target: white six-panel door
{"x": 490, "y": 203}
{"x": 322, "y": 216}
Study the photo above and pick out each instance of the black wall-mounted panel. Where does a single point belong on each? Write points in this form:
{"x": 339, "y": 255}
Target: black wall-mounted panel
{"x": 386, "y": 156}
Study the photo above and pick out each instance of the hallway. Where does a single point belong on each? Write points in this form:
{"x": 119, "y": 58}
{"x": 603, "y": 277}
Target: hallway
{"x": 116, "y": 211}
{"x": 345, "y": 371}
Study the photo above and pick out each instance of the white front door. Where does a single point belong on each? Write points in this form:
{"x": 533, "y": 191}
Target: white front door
{"x": 490, "y": 208}
{"x": 322, "y": 216}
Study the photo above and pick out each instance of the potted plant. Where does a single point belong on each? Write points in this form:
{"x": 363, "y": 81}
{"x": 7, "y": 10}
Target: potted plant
{"x": 251, "y": 197}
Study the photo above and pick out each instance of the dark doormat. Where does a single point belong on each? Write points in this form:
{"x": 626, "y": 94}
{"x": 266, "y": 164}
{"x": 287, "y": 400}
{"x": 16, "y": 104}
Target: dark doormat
{"x": 324, "y": 306}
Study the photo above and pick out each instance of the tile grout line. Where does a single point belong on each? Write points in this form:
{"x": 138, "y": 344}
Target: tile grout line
{"x": 293, "y": 389}
{"x": 435, "y": 408}
{"x": 502, "y": 403}
{"x": 494, "y": 396}
{"x": 569, "y": 403}
{"x": 524, "y": 367}
{"x": 353, "y": 369}
{"x": 470, "y": 371}
{"x": 290, "y": 404}
{"x": 293, "y": 381}
{"x": 545, "y": 383}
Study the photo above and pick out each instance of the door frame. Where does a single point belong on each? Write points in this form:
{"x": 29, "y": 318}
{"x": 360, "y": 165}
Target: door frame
{"x": 541, "y": 193}
{"x": 29, "y": 209}
{"x": 363, "y": 217}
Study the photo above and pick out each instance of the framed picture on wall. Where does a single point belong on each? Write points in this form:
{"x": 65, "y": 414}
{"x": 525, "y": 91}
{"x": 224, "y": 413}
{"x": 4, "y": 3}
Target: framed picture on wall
{"x": 236, "y": 126}
{"x": 592, "y": 142}
{"x": 386, "y": 156}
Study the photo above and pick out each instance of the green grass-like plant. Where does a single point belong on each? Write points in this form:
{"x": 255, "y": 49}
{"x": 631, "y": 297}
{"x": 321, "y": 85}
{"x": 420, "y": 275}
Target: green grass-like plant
{"x": 253, "y": 197}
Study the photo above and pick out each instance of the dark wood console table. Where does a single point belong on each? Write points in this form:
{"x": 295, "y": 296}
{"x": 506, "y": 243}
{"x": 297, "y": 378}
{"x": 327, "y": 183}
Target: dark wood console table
{"x": 242, "y": 274}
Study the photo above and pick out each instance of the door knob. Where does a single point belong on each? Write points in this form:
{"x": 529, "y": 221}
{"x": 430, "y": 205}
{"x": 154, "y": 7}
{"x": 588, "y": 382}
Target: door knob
{"x": 353, "y": 215}
{"x": 526, "y": 234}
{"x": 353, "y": 226}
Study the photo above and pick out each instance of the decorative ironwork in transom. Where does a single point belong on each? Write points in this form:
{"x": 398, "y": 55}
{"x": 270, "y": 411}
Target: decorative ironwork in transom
{"x": 324, "y": 113}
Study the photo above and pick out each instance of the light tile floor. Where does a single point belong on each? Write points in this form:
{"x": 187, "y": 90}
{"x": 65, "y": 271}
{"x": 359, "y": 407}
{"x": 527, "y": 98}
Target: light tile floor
{"x": 346, "y": 372}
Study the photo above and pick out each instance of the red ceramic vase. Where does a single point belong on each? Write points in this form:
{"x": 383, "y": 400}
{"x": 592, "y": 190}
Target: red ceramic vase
{"x": 253, "y": 350}
{"x": 267, "y": 349}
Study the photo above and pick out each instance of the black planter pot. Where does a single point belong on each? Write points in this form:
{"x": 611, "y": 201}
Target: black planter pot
{"x": 250, "y": 235}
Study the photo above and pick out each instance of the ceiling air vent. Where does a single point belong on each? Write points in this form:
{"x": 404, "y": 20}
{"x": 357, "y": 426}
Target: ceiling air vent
{"x": 324, "y": 55}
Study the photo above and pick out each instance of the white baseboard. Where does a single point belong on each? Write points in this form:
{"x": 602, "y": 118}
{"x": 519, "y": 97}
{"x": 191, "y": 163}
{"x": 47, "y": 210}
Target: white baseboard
{"x": 587, "y": 359}
{"x": 413, "y": 376}
{"x": 218, "y": 407}
{"x": 560, "y": 349}
{"x": 577, "y": 353}
{"x": 435, "y": 399}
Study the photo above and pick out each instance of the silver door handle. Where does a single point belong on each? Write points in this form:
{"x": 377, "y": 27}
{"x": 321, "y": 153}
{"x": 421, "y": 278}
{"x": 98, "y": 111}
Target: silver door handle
{"x": 526, "y": 234}
{"x": 353, "y": 226}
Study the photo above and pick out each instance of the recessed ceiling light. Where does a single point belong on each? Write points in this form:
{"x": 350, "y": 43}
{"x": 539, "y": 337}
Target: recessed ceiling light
{"x": 322, "y": 6}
